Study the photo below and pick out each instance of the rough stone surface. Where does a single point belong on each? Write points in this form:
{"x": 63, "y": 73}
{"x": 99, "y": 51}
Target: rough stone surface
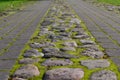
{"x": 86, "y": 42}
{"x": 58, "y": 55}
{"x": 28, "y": 61}
{"x": 91, "y": 64}
{"x": 27, "y": 71}
{"x": 68, "y": 49}
{"x": 33, "y": 53}
{"x": 92, "y": 53}
{"x": 104, "y": 75}
{"x": 16, "y": 78}
{"x": 71, "y": 44}
{"x": 64, "y": 74}
{"x": 46, "y": 23}
{"x": 50, "y": 62}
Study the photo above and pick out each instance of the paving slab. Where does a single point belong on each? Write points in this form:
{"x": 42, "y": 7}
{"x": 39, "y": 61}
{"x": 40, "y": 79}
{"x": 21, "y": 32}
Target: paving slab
{"x": 4, "y": 75}
{"x": 16, "y": 31}
{"x": 105, "y": 28}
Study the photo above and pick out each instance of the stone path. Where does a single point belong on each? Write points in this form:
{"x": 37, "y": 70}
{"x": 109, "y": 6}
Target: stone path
{"x": 103, "y": 25}
{"x": 15, "y": 31}
{"x": 61, "y": 47}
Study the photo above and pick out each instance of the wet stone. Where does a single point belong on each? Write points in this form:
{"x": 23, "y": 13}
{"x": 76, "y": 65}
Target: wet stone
{"x": 64, "y": 74}
{"x": 104, "y": 75}
{"x": 71, "y": 44}
{"x": 33, "y": 53}
{"x": 52, "y": 62}
{"x": 91, "y": 64}
{"x": 27, "y": 71}
{"x": 28, "y": 61}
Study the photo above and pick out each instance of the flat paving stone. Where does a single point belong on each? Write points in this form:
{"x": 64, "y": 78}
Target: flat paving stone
{"x": 4, "y": 75}
{"x": 19, "y": 28}
{"x": 102, "y": 26}
{"x": 6, "y": 64}
{"x": 116, "y": 60}
{"x": 113, "y": 52}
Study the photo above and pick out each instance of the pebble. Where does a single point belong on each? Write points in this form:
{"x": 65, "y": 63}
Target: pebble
{"x": 27, "y": 71}
{"x": 104, "y": 75}
{"x": 64, "y": 74}
{"x": 33, "y": 53}
{"x": 52, "y": 62}
{"x": 28, "y": 61}
{"x": 92, "y": 64}
{"x": 71, "y": 44}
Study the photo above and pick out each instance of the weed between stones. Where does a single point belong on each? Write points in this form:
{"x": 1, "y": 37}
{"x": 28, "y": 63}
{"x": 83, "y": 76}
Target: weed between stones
{"x": 59, "y": 46}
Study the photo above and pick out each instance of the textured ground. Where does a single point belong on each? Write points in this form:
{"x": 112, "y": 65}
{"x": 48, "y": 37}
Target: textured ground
{"x": 62, "y": 47}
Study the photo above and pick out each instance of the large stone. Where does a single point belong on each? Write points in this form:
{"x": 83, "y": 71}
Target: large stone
{"x": 41, "y": 45}
{"x": 27, "y": 71}
{"x": 50, "y": 50}
{"x": 33, "y": 53}
{"x": 104, "y": 75}
{"x": 58, "y": 55}
{"x": 50, "y": 62}
{"x": 64, "y": 74}
{"x": 28, "y": 61}
{"x": 71, "y": 44}
{"x": 87, "y": 42}
{"x": 68, "y": 49}
{"x": 94, "y": 53}
{"x": 91, "y": 64}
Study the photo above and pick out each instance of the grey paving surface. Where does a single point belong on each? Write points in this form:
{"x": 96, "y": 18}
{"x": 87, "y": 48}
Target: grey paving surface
{"x": 15, "y": 31}
{"x": 103, "y": 25}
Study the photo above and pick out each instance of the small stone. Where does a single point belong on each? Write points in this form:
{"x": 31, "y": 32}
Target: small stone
{"x": 51, "y": 62}
{"x": 49, "y": 50}
{"x": 46, "y": 23}
{"x": 33, "y": 53}
{"x": 75, "y": 20}
{"x": 87, "y": 42}
{"x": 104, "y": 75}
{"x": 81, "y": 37}
{"x": 16, "y": 78}
{"x": 36, "y": 45}
{"x": 58, "y": 55}
{"x": 71, "y": 44}
{"x": 93, "y": 54}
{"x": 64, "y": 74}
{"x": 27, "y": 71}
{"x": 28, "y": 61}
{"x": 68, "y": 49}
{"x": 91, "y": 64}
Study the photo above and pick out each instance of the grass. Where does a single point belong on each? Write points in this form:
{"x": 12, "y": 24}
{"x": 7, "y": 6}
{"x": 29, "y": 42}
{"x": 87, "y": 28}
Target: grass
{"x": 114, "y": 2}
{"x": 11, "y": 4}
